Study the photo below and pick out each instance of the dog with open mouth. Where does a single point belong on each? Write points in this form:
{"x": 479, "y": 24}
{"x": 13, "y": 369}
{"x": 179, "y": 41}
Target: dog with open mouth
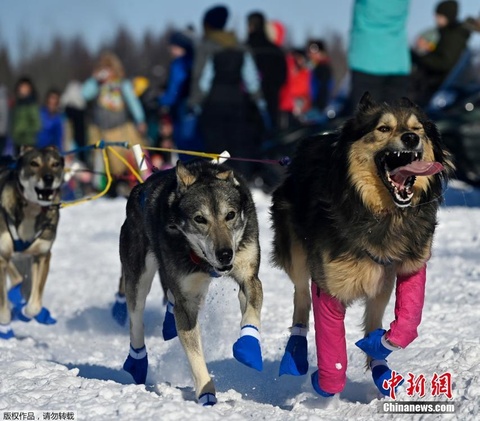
{"x": 357, "y": 214}
{"x": 29, "y": 202}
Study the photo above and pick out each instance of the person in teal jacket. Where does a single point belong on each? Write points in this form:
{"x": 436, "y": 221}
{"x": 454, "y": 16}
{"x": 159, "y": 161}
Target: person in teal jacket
{"x": 378, "y": 54}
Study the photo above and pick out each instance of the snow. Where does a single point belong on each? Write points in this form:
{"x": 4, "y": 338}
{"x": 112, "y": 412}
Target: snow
{"x": 76, "y": 365}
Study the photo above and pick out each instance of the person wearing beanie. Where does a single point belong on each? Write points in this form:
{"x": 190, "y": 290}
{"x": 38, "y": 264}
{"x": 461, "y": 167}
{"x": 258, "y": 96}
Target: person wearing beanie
{"x": 434, "y": 67}
{"x": 214, "y": 39}
{"x": 224, "y": 92}
{"x": 216, "y": 17}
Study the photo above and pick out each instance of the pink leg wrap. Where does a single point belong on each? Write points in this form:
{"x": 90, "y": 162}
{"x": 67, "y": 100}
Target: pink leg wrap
{"x": 410, "y": 297}
{"x": 329, "y": 315}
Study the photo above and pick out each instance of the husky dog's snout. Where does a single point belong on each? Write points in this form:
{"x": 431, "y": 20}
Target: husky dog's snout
{"x": 224, "y": 256}
{"x": 48, "y": 180}
{"x": 410, "y": 140}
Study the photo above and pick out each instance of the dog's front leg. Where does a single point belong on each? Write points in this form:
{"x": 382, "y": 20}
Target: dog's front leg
{"x": 6, "y": 331}
{"x": 40, "y": 267}
{"x": 4, "y": 308}
{"x": 247, "y": 348}
{"x": 188, "y": 300}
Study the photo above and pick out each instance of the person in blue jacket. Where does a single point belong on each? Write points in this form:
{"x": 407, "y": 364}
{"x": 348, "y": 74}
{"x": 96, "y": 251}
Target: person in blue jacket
{"x": 51, "y": 120}
{"x": 378, "y": 54}
{"x": 173, "y": 102}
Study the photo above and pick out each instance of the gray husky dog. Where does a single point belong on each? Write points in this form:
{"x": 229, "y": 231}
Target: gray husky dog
{"x": 29, "y": 202}
{"x": 190, "y": 223}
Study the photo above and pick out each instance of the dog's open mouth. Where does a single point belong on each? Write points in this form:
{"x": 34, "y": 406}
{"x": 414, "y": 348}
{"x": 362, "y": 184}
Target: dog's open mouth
{"x": 399, "y": 170}
{"x": 45, "y": 195}
{"x": 224, "y": 269}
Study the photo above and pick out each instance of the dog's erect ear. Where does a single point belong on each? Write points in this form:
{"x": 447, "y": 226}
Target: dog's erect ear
{"x": 407, "y": 102}
{"x": 24, "y": 149}
{"x": 184, "y": 177}
{"x": 366, "y": 102}
{"x": 228, "y": 176}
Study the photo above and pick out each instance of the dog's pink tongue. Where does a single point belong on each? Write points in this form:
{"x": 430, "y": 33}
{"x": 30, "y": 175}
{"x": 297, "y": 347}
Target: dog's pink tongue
{"x": 400, "y": 174}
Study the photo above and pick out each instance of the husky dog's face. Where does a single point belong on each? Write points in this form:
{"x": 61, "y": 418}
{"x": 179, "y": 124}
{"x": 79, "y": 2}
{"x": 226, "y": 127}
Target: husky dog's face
{"x": 41, "y": 174}
{"x": 212, "y": 216}
{"x": 395, "y": 155}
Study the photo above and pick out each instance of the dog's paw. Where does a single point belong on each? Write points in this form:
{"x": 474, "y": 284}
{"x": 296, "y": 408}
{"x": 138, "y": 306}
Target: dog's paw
{"x": 374, "y": 345}
{"x": 119, "y": 309}
{"x": 6, "y": 331}
{"x": 18, "y": 313}
{"x": 207, "y": 399}
{"x": 295, "y": 358}
{"x": 381, "y": 373}
{"x": 317, "y": 388}
{"x": 44, "y": 317}
{"x": 169, "y": 329}
{"x": 137, "y": 364}
{"x": 15, "y": 295}
{"x": 247, "y": 349}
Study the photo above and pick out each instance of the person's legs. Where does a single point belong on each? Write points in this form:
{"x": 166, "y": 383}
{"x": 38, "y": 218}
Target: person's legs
{"x": 395, "y": 87}
{"x": 364, "y": 82}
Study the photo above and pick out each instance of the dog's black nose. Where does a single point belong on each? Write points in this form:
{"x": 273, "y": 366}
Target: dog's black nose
{"x": 224, "y": 256}
{"x": 48, "y": 180}
{"x": 410, "y": 139}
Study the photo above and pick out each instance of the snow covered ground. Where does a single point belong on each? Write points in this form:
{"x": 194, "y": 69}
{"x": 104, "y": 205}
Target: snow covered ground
{"x": 76, "y": 365}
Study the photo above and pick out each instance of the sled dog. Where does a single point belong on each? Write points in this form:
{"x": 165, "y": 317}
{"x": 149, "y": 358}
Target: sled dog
{"x": 190, "y": 223}
{"x": 30, "y": 195}
{"x": 355, "y": 215}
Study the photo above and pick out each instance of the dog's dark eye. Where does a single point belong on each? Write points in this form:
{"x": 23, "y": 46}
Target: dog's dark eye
{"x": 199, "y": 219}
{"x": 230, "y": 215}
{"x": 34, "y": 164}
{"x": 55, "y": 164}
{"x": 384, "y": 129}
{"x": 417, "y": 128}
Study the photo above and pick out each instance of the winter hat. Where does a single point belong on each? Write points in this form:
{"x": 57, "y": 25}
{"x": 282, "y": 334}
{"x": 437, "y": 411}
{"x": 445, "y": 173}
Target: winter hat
{"x": 449, "y": 9}
{"x": 216, "y": 17}
{"x": 181, "y": 40}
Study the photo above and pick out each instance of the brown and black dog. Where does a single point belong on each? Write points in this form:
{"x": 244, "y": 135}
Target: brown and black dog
{"x": 29, "y": 203}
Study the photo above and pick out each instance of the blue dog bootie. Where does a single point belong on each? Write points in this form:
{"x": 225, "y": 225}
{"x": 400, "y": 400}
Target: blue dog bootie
{"x": 137, "y": 364}
{"x": 6, "y": 331}
{"x": 295, "y": 358}
{"x": 169, "y": 329}
{"x": 207, "y": 399}
{"x": 247, "y": 349}
{"x": 316, "y": 386}
{"x": 375, "y": 345}
{"x": 18, "y": 313}
{"x": 45, "y": 318}
{"x": 119, "y": 309}
{"x": 15, "y": 296}
{"x": 380, "y": 373}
